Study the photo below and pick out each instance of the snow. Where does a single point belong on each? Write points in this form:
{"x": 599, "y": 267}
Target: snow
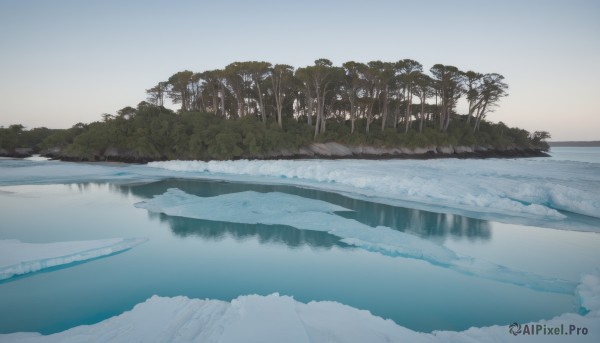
{"x": 275, "y": 208}
{"x": 526, "y": 187}
{"x": 279, "y": 318}
{"x": 26, "y": 172}
{"x": 519, "y": 191}
{"x": 37, "y": 158}
{"x": 589, "y": 292}
{"x": 17, "y": 258}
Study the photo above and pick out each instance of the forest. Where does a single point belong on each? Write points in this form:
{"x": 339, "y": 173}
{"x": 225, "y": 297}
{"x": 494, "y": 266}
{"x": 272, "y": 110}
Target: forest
{"x": 256, "y": 109}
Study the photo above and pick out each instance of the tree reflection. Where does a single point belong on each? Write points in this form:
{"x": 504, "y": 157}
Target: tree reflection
{"x": 422, "y": 223}
{"x": 266, "y": 234}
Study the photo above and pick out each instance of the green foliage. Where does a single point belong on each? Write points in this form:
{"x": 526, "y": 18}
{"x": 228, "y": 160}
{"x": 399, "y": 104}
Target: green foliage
{"x": 153, "y": 133}
{"x": 16, "y": 137}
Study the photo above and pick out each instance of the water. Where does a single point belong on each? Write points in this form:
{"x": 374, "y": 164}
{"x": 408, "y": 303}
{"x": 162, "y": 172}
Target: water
{"x": 222, "y": 260}
{"x": 581, "y": 154}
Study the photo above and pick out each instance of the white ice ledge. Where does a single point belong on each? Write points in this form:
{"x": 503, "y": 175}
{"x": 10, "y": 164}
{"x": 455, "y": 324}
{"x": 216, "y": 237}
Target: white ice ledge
{"x": 523, "y": 188}
{"x": 276, "y": 318}
{"x": 17, "y": 258}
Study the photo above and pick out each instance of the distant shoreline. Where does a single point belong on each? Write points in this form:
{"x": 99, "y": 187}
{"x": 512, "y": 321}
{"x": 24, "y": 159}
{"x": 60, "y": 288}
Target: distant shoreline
{"x": 325, "y": 151}
{"x": 336, "y": 151}
{"x": 579, "y": 144}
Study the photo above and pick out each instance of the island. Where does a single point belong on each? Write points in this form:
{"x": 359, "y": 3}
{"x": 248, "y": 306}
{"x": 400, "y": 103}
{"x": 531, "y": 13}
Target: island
{"x": 256, "y": 110}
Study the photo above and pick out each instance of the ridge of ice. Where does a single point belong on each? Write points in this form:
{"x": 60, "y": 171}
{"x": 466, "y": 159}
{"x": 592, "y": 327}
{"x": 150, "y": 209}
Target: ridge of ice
{"x": 17, "y": 258}
{"x": 280, "y": 318}
{"x": 530, "y": 188}
{"x": 276, "y": 208}
{"x": 521, "y": 191}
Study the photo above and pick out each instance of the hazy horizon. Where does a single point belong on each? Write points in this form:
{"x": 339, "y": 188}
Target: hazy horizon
{"x": 65, "y": 62}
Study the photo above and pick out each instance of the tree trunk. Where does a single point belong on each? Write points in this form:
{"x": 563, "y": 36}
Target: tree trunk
{"x": 422, "y": 112}
{"x": 397, "y": 110}
{"x": 369, "y": 113}
{"x": 318, "y": 119}
{"x": 352, "y": 115}
{"x": 215, "y": 103}
{"x": 261, "y": 105}
{"x": 277, "y": 93}
{"x": 384, "y": 112}
{"x": 222, "y": 91}
{"x": 408, "y": 114}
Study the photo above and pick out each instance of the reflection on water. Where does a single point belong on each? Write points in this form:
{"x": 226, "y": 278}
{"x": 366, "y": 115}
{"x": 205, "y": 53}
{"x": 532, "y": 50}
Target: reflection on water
{"x": 219, "y": 260}
{"x": 266, "y": 234}
{"x": 426, "y": 224}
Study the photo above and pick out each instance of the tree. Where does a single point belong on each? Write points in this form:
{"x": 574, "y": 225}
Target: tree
{"x": 409, "y": 71}
{"x": 473, "y": 84}
{"x": 492, "y": 89}
{"x": 303, "y": 76}
{"x": 372, "y": 89}
{"x": 448, "y": 83}
{"x": 422, "y": 85}
{"x": 179, "y": 91}
{"x": 281, "y": 79}
{"x": 156, "y": 94}
{"x": 127, "y": 112}
{"x": 235, "y": 77}
{"x": 385, "y": 78}
{"x": 259, "y": 71}
{"x": 352, "y": 83}
{"x": 319, "y": 76}
{"x": 212, "y": 86}
{"x": 196, "y": 93}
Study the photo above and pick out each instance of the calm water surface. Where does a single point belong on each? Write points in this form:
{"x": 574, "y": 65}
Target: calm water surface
{"x": 223, "y": 260}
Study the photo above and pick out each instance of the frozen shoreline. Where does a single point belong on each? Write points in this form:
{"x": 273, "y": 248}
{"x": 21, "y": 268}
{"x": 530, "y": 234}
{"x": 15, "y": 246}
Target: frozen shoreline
{"x": 524, "y": 191}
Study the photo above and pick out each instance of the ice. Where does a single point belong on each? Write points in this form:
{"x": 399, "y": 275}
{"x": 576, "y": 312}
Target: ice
{"x": 275, "y": 208}
{"x": 520, "y": 191}
{"x": 27, "y": 172}
{"x": 524, "y": 187}
{"x": 17, "y": 258}
{"x": 280, "y": 318}
{"x": 37, "y": 158}
{"x": 588, "y": 292}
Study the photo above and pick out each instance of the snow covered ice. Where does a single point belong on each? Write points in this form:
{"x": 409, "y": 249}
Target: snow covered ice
{"x": 276, "y": 208}
{"x": 17, "y": 258}
{"x": 525, "y": 187}
{"x": 542, "y": 192}
{"x": 520, "y": 191}
{"x": 276, "y": 318}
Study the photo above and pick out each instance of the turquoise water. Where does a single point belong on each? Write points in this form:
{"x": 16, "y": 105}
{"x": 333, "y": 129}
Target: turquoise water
{"x": 222, "y": 260}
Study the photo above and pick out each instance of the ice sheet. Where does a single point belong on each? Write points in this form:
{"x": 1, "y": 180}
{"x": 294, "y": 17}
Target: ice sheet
{"x": 17, "y": 258}
{"x": 275, "y": 208}
{"x": 520, "y": 191}
{"x": 276, "y": 318}
{"x": 26, "y": 172}
{"x": 525, "y": 187}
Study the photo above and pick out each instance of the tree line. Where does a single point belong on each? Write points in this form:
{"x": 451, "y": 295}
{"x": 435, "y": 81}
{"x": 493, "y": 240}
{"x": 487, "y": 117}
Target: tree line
{"x": 260, "y": 110}
{"x": 383, "y": 92}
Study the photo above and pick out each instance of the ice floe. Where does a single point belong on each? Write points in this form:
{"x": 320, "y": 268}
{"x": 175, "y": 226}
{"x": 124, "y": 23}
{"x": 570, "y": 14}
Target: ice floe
{"x": 17, "y": 258}
{"x": 275, "y": 208}
{"x": 277, "y": 318}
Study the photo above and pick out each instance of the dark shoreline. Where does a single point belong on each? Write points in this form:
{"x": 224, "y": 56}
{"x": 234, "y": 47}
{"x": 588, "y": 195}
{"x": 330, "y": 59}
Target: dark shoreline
{"x": 427, "y": 155}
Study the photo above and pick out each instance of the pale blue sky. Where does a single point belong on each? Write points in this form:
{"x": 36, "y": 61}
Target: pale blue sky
{"x": 63, "y": 62}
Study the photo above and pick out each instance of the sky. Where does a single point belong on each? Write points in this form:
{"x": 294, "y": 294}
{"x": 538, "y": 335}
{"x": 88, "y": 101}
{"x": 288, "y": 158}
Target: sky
{"x": 64, "y": 62}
